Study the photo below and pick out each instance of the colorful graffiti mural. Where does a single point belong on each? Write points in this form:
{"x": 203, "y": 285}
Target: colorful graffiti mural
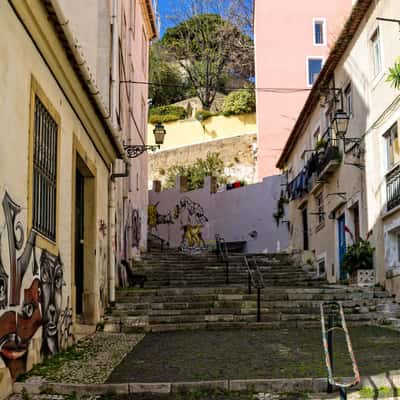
{"x": 41, "y": 292}
{"x": 190, "y": 218}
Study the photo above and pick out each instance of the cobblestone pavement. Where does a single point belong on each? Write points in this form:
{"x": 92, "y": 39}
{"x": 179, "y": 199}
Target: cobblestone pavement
{"x": 252, "y": 354}
{"x": 96, "y": 356}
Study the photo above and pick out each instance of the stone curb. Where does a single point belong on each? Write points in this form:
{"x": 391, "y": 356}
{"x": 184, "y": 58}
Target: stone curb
{"x": 315, "y": 385}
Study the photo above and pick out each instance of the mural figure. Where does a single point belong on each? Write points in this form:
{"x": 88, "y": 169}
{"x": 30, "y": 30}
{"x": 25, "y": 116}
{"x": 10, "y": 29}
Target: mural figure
{"x": 192, "y": 236}
{"x": 51, "y": 271}
{"x": 192, "y": 219}
{"x": 136, "y": 228}
{"x": 18, "y": 266}
{"x": 155, "y": 218}
{"x": 17, "y": 329}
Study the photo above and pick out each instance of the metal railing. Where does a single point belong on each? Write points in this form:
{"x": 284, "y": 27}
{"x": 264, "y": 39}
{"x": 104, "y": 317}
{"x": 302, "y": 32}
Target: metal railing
{"x": 256, "y": 280}
{"x": 156, "y": 238}
{"x": 335, "y": 310}
{"x": 393, "y": 188}
{"x": 223, "y": 254}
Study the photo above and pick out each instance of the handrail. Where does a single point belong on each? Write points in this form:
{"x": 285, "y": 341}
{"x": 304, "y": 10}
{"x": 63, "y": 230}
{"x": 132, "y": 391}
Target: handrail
{"x": 327, "y": 340}
{"x": 161, "y": 240}
{"x": 222, "y": 254}
{"x": 255, "y": 279}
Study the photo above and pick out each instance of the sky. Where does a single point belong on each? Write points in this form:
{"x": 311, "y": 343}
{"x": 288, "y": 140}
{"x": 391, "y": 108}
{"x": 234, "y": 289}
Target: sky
{"x": 165, "y": 7}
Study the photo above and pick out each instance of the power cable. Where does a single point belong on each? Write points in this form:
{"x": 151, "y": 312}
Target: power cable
{"x": 258, "y": 89}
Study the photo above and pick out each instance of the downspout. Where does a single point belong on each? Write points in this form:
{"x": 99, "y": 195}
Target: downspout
{"x": 108, "y": 118}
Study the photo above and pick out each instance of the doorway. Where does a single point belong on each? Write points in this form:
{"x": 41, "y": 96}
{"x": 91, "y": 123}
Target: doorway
{"x": 79, "y": 240}
{"x": 341, "y": 224}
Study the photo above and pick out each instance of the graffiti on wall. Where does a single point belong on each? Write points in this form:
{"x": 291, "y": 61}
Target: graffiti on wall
{"x": 136, "y": 228}
{"x": 190, "y": 218}
{"x": 31, "y": 300}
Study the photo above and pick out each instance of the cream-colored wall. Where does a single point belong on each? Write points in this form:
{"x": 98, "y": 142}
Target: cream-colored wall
{"x": 20, "y": 61}
{"x": 372, "y": 98}
{"x": 190, "y": 131}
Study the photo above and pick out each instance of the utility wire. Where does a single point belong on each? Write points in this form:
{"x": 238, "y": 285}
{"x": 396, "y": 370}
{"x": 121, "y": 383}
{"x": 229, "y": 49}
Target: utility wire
{"x": 258, "y": 89}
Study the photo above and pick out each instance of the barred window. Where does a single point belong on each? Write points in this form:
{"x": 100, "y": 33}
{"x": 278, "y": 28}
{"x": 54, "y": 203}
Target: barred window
{"x": 44, "y": 171}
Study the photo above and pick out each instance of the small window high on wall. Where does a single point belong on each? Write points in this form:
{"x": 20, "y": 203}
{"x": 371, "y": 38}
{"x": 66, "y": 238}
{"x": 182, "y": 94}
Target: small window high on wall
{"x": 392, "y": 146}
{"x": 319, "y": 32}
{"x": 314, "y": 66}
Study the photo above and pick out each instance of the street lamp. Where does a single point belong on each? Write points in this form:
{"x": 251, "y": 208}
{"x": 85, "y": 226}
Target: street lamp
{"x": 159, "y": 133}
{"x": 340, "y": 123}
{"x": 135, "y": 150}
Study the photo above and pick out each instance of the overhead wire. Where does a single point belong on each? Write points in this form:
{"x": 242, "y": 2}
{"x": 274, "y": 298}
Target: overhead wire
{"x": 258, "y": 89}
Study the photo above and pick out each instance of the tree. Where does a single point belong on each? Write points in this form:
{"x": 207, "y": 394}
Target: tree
{"x": 212, "y": 165}
{"x": 208, "y": 48}
{"x": 169, "y": 85}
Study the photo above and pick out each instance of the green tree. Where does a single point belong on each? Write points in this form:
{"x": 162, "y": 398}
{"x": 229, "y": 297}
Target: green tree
{"x": 169, "y": 85}
{"x": 212, "y": 165}
{"x": 208, "y": 48}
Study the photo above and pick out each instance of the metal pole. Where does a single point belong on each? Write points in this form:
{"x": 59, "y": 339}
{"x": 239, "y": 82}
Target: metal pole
{"x": 343, "y": 393}
{"x": 258, "y": 305}
{"x": 227, "y": 272}
{"x": 330, "y": 346}
{"x": 249, "y": 281}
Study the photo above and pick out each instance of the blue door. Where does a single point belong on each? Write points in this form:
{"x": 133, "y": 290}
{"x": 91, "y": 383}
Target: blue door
{"x": 342, "y": 243}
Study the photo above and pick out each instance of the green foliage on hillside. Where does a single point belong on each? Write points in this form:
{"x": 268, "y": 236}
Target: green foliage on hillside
{"x": 212, "y": 165}
{"x": 166, "y": 114}
{"x": 240, "y": 102}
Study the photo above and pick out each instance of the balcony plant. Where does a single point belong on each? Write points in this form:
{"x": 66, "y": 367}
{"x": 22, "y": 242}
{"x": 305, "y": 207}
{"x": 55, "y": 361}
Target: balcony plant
{"x": 280, "y": 209}
{"x": 320, "y": 145}
{"x": 358, "y": 256}
{"x": 394, "y": 75}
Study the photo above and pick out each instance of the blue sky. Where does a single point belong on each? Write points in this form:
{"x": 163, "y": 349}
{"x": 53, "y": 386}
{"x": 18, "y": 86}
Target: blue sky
{"x": 166, "y": 6}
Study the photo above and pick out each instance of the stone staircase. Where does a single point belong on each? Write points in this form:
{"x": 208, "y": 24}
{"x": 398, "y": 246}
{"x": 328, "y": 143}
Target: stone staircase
{"x": 190, "y": 292}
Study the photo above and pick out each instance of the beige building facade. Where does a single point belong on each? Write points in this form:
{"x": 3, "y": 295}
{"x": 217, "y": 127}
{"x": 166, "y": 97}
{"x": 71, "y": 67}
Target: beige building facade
{"x": 342, "y": 187}
{"x": 60, "y": 162}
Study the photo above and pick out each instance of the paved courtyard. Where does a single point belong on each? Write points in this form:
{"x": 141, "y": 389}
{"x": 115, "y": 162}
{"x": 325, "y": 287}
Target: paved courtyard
{"x": 251, "y": 354}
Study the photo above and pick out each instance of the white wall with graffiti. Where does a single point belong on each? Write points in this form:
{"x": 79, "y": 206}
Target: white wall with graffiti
{"x": 192, "y": 219}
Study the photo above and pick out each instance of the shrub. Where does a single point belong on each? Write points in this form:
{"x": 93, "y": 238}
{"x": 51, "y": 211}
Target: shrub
{"x": 202, "y": 115}
{"x": 166, "y": 114}
{"x": 358, "y": 256}
{"x": 240, "y": 102}
{"x": 212, "y": 165}
{"x": 394, "y": 75}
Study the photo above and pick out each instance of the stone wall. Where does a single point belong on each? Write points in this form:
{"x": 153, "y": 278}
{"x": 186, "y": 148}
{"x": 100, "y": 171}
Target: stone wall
{"x": 238, "y": 154}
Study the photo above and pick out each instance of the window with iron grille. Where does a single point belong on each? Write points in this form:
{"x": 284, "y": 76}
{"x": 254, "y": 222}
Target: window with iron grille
{"x": 44, "y": 172}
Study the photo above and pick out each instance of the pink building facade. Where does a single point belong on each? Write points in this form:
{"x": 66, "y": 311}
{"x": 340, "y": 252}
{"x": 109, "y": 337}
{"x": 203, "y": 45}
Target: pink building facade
{"x": 292, "y": 40}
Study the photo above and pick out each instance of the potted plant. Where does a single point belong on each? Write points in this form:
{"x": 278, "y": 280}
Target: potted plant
{"x": 320, "y": 145}
{"x": 359, "y": 257}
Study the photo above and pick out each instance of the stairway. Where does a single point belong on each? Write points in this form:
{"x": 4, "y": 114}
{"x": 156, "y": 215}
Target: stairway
{"x": 190, "y": 292}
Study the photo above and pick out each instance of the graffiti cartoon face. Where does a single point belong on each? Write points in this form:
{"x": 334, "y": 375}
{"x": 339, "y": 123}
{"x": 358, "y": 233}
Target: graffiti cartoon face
{"x": 18, "y": 328}
{"x": 3, "y": 292}
{"x": 52, "y": 282}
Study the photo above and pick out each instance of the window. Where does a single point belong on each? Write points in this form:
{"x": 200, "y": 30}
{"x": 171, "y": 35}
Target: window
{"x": 316, "y": 136}
{"x": 348, "y": 95}
{"x": 319, "y": 32}
{"x": 392, "y": 146}
{"x": 319, "y": 202}
{"x": 376, "y": 52}
{"x": 44, "y": 172}
{"x": 314, "y": 66}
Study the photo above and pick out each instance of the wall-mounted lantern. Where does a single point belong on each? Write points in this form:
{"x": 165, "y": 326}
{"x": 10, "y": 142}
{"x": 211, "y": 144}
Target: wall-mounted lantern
{"x": 135, "y": 150}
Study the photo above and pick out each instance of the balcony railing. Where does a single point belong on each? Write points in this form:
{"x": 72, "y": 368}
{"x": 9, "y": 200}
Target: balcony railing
{"x": 330, "y": 155}
{"x": 393, "y": 188}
